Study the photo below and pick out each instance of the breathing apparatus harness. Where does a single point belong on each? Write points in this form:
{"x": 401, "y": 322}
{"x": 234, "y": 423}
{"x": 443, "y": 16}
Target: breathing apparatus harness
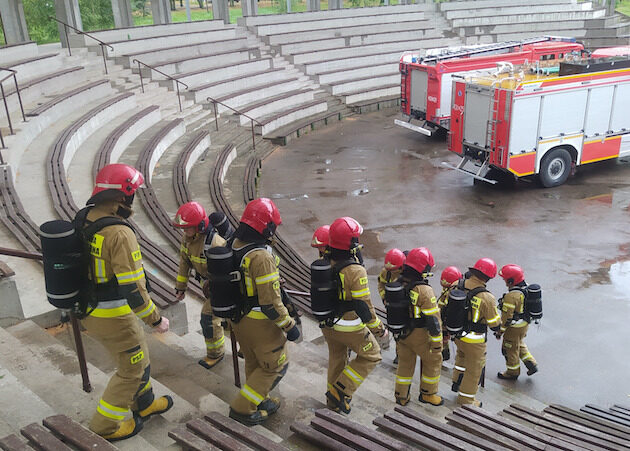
{"x": 532, "y": 303}
{"x": 403, "y": 313}
{"x": 459, "y": 311}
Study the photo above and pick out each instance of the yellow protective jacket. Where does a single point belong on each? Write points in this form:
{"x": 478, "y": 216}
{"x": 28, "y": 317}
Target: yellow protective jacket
{"x": 116, "y": 254}
{"x": 513, "y": 302}
{"x": 384, "y": 278}
{"x": 261, "y": 279}
{"x": 424, "y": 304}
{"x": 192, "y": 256}
{"x": 354, "y": 286}
{"x": 483, "y": 310}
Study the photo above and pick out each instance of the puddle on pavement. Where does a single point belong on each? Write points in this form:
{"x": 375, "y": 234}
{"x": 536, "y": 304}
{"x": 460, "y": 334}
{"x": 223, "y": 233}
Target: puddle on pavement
{"x": 619, "y": 274}
{"x": 373, "y": 247}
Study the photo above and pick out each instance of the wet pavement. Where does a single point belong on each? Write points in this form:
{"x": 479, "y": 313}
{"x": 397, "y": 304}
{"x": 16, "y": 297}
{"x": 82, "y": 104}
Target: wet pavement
{"x": 573, "y": 240}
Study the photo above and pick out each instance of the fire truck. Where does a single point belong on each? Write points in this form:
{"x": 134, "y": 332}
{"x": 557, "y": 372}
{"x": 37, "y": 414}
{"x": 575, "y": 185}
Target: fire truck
{"x": 525, "y": 121}
{"x": 426, "y": 82}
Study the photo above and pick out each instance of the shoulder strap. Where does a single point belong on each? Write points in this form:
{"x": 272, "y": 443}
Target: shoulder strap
{"x": 101, "y": 223}
{"x": 343, "y": 264}
{"x": 475, "y": 291}
{"x": 242, "y": 252}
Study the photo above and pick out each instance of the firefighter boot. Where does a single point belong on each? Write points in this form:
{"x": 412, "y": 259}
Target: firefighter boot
{"x": 532, "y": 368}
{"x": 270, "y": 405}
{"x": 336, "y": 400}
{"x": 506, "y": 376}
{"x": 126, "y": 429}
{"x": 209, "y": 362}
{"x": 402, "y": 401}
{"x": 249, "y": 420}
{"x": 159, "y": 405}
{"x": 433, "y": 399}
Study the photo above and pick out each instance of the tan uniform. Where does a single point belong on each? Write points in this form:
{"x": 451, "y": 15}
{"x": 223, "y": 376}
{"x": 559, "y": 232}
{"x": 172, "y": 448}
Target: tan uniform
{"x": 386, "y": 276}
{"x": 116, "y": 255}
{"x": 349, "y": 332}
{"x": 192, "y": 256}
{"x": 260, "y": 332}
{"x": 514, "y": 347}
{"x": 471, "y": 348}
{"x": 442, "y": 302}
{"x": 420, "y": 343}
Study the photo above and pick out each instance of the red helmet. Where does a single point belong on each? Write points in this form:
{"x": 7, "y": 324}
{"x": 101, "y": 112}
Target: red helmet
{"x": 450, "y": 275}
{"x": 320, "y": 237}
{"x": 512, "y": 274}
{"x": 419, "y": 258}
{"x": 344, "y": 233}
{"x": 191, "y": 214}
{"x": 263, "y": 216}
{"x": 119, "y": 177}
{"x": 394, "y": 259}
{"x": 487, "y": 267}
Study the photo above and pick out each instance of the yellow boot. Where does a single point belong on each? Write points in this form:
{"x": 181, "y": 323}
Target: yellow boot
{"x": 270, "y": 405}
{"x": 159, "y": 405}
{"x": 336, "y": 400}
{"x": 209, "y": 362}
{"x": 126, "y": 429}
{"x": 434, "y": 399}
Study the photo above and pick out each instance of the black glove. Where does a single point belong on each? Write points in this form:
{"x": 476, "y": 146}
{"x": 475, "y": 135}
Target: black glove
{"x": 362, "y": 310}
{"x": 293, "y": 333}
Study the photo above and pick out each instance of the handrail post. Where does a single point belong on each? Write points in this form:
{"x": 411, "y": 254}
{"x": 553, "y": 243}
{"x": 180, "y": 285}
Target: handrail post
{"x": 253, "y": 139}
{"x": 140, "y": 73}
{"x": 178, "y": 97}
{"x": 6, "y": 108}
{"x": 19, "y": 96}
{"x": 65, "y": 29}
{"x": 104, "y": 56}
{"x": 87, "y": 387}
{"x": 3, "y": 146}
{"x": 216, "y": 118}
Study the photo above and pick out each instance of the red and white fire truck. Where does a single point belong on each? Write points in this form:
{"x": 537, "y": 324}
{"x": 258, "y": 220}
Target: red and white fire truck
{"x": 523, "y": 123}
{"x": 426, "y": 83}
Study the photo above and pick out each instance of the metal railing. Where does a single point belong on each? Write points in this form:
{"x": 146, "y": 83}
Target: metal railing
{"x": 101, "y": 43}
{"x": 216, "y": 118}
{"x": 170, "y": 77}
{"x": 76, "y": 329}
{"x": 6, "y": 105}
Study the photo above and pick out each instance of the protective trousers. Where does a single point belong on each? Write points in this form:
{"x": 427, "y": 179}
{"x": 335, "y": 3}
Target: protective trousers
{"x": 469, "y": 362}
{"x": 417, "y": 343}
{"x": 347, "y": 377}
{"x": 129, "y": 387}
{"x": 264, "y": 347}
{"x": 212, "y": 331}
{"x": 514, "y": 348}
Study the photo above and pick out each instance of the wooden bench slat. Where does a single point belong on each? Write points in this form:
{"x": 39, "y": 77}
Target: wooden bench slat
{"x": 75, "y": 434}
{"x": 42, "y": 439}
{"x": 14, "y": 443}
{"x": 406, "y": 416}
{"x": 620, "y": 410}
{"x": 556, "y": 408}
{"x": 375, "y": 436}
{"x": 500, "y": 429}
{"x": 545, "y": 429}
{"x": 215, "y": 436}
{"x": 622, "y": 406}
{"x": 311, "y": 435}
{"x": 488, "y": 434}
{"x": 425, "y": 441}
{"x": 603, "y": 413}
{"x": 575, "y": 426}
{"x": 189, "y": 441}
{"x": 243, "y": 433}
{"x": 586, "y": 421}
{"x": 344, "y": 436}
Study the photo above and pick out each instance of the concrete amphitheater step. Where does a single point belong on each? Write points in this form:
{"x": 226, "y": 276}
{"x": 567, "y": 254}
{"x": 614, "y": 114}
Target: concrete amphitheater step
{"x": 243, "y": 97}
{"x": 261, "y": 107}
{"x": 335, "y": 76}
{"x": 354, "y": 84}
{"x": 16, "y": 52}
{"x": 39, "y": 362}
{"x": 377, "y": 92}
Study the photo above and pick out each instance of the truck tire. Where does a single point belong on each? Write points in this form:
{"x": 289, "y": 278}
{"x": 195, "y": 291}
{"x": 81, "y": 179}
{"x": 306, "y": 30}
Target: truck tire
{"x": 555, "y": 167}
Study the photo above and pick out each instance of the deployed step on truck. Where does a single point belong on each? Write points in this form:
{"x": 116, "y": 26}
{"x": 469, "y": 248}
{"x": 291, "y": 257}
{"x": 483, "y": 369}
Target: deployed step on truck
{"x": 426, "y": 82}
{"x": 525, "y": 121}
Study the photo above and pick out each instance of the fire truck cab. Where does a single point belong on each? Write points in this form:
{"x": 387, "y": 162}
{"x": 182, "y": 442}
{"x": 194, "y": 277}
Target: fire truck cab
{"x": 426, "y": 83}
{"x": 527, "y": 121}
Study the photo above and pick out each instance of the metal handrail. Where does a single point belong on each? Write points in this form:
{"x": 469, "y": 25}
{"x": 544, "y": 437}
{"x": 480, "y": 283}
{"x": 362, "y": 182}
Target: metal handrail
{"x": 216, "y": 119}
{"x": 170, "y": 77}
{"x": 4, "y": 99}
{"x": 101, "y": 43}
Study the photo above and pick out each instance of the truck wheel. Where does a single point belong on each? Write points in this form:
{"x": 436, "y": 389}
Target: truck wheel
{"x": 555, "y": 167}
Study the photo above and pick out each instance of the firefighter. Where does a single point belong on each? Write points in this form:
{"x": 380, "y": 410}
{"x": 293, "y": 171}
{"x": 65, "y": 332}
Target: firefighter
{"x": 424, "y": 337}
{"x": 198, "y": 233}
{"x": 261, "y": 332}
{"x": 123, "y": 297}
{"x": 349, "y": 331}
{"x": 320, "y": 241}
{"x": 449, "y": 276}
{"x": 513, "y": 324}
{"x": 394, "y": 260}
{"x": 471, "y": 347}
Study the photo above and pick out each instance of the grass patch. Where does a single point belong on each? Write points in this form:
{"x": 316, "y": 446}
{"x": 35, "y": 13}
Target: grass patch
{"x": 623, "y": 7}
